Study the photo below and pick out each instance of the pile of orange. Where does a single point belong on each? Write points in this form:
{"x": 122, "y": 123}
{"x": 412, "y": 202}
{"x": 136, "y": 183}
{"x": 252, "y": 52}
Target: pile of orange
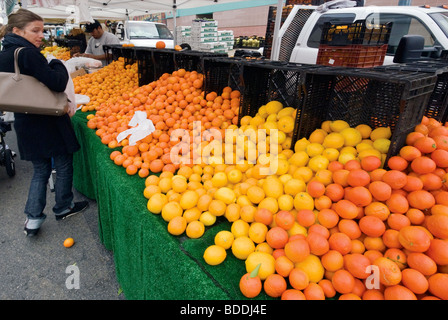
{"x": 107, "y": 85}
{"x": 174, "y": 101}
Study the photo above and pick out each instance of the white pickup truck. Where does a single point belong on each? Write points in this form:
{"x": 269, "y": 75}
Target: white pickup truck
{"x": 144, "y": 33}
{"x": 300, "y": 35}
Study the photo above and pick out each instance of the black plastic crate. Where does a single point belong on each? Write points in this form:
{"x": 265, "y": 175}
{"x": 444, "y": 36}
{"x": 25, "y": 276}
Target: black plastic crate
{"x": 358, "y": 32}
{"x": 222, "y": 72}
{"x": 128, "y": 53}
{"x": 153, "y": 63}
{"x": 266, "y": 80}
{"x": 437, "y": 107}
{"x": 192, "y": 60}
{"x": 378, "y": 98}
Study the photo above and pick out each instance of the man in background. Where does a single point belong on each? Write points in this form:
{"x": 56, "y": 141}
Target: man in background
{"x": 95, "y": 45}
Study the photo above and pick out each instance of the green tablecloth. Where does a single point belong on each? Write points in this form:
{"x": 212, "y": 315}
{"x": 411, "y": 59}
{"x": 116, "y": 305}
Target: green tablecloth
{"x": 150, "y": 263}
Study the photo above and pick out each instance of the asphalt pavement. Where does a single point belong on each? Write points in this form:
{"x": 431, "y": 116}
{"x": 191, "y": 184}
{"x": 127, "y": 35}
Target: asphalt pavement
{"x": 40, "y": 267}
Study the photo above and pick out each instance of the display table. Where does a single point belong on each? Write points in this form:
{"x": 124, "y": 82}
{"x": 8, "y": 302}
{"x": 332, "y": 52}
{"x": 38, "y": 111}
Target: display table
{"x": 150, "y": 263}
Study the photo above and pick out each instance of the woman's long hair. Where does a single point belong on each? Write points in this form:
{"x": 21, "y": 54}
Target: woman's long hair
{"x": 19, "y": 19}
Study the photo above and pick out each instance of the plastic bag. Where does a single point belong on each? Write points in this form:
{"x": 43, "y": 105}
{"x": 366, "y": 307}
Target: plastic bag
{"x": 76, "y": 63}
{"x": 142, "y": 127}
{"x": 69, "y": 89}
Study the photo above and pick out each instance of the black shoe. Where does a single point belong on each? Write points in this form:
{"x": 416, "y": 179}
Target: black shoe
{"x": 32, "y": 226}
{"x": 77, "y": 208}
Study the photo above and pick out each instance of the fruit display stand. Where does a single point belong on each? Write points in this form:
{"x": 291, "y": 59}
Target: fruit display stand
{"x": 150, "y": 263}
{"x": 379, "y": 98}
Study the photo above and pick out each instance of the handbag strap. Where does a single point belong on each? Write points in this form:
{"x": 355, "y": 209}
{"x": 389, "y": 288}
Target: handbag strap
{"x": 16, "y": 76}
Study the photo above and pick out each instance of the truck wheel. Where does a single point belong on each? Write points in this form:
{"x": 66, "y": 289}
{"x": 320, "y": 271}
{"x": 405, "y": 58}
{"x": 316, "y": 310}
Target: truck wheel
{"x": 10, "y": 163}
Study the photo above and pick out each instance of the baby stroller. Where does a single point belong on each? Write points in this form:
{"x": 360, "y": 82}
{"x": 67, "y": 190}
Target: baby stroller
{"x": 6, "y": 154}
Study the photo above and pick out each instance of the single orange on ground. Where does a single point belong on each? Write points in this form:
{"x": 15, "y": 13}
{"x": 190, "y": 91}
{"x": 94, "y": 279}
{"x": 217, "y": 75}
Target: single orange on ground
{"x": 69, "y": 242}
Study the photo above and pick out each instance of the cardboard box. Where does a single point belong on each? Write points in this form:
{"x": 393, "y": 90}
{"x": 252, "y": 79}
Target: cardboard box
{"x": 79, "y": 72}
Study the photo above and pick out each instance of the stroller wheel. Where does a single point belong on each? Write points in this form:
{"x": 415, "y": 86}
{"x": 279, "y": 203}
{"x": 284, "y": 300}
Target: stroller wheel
{"x": 9, "y": 163}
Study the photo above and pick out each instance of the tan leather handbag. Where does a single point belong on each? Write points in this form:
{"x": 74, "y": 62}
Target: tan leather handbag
{"x": 25, "y": 94}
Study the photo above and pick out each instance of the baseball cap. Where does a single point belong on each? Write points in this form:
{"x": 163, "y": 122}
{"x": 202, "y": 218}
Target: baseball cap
{"x": 91, "y": 26}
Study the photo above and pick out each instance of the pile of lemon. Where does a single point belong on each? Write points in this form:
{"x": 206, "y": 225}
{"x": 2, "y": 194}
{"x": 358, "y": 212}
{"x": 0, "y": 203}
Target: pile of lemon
{"x": 195, "y": 196}
{"x": 61, "y": 53}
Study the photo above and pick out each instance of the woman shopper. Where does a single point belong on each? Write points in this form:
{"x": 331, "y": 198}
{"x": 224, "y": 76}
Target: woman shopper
{"x": 43, "y": 140}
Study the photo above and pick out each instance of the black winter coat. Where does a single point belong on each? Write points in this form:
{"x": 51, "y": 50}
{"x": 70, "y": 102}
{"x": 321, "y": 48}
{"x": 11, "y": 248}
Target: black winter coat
{"x": 39, "y": 136}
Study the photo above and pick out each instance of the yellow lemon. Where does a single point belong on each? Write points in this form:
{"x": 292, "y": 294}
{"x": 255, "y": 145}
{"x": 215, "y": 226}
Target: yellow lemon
{"x": 214, "y": 255}
{"x": 301, "y": 144}
{"x": 365, "y": 130}
{"x": 303, "y": 173}
{"x": 285, "y": 177}
{"x": 225, "y": 194}
{"x": 345, "y": 157}
{"x": 256, "y": 121}
{"x": 286, "y": 124}
{"x": 156, "y": 202}
{"x": 264, "y": 247}
{"x": 271, "y": 118}
{"x": 299, "y": 159}
{"x": 179, "y": 184}
{"x": 288, "y": 111}
{"x": 317, "y": 136}
{"x": 255, "y": 194}
{"x": 269, "y": 203}
{"x": 314, "y": 149}
{"x": 382, "y": 145}
{"x": 331, "y": 154}
{"x": 266, "y": 262}
{"x": 325, "y": 176}
{"x": 192, "y": 214}
{"x": 369, "y": 152}
{"x": 274, "y": 107}
{"x": 189, "y": 199}
{"x": 282, "y": 166}
{"x": 257, "y": 232}
{"x": 262, "y": 112}
{"x": 165, "y": 184}
{"x": 285, "y": 202}
{"x": 270, "y": 126}
{"x": 303, "y": 200}
{"x": 312, "y": 266}
{"x": 245, "y": 120}
{"x": 170, "y": 210}
{"x": 232, "y": 212}
{"x": 351, "y": 150}
{"x": 177, "y": 226}
{"x": 318, "y": 163}
{"x": 247, "y": 213}
{"x": 195, "y": 229}
{"x": 381, "y": 132}
{"x": 351, "y": 137}
{"x": 207, "y": 218}
{"x": 224, "y": 239}
{"x": 150, "y": 190}
{"x": 297, "y": 229}
{"x": 363, "y": 146}
{"x": 273, "y": 187}
{"x": 219, "y": 179}
{"x": 242, "y": 247}
{"x": 334, "y": 140}
{"x": 326, "y": 126}
{"x": 294, "y": 186}
{"x": 217, "y": 207}
{"x": 338, "y": 125}
{"x": 240, "y": 228}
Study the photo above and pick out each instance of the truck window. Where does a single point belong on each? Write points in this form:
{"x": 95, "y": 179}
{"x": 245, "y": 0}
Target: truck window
{"x": 403, "y": 25}
{"x": 441, "y": 18}
{"x": 148, "y": 31}
{"x": 316, "y": 34}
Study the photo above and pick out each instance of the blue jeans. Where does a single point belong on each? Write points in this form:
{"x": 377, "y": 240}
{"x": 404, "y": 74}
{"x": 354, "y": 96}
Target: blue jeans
{"x": 37, "y": 195}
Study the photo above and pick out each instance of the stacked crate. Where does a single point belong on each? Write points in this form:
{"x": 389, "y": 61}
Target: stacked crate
{"x": 227, "y": 37}
{"x": 204, "y": 36}
{"x": 183, "y": 34}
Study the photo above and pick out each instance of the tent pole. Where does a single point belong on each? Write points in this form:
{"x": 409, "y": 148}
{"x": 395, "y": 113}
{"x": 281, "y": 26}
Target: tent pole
{"x": 275, "y": 40}
{"x": 174, "y": 21}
